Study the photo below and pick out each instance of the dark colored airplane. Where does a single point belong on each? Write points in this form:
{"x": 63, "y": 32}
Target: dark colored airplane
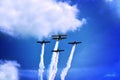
{"x": 57, "y": 50}
{"x": 75, "y": 42}
{"x": 59, "y": 36}
{"x": 41, "y": 42}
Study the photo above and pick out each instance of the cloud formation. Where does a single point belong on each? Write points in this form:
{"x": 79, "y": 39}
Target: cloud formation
{"x": 37, "y": 18}
{"x": 9, "y": 71}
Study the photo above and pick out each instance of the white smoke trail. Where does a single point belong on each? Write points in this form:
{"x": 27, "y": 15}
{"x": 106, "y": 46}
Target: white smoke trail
{"x": 65, "y": 70}
{"x": 55, "y": 66}
{"x": 51, "y": 68}
{"x": 41, "y": 65}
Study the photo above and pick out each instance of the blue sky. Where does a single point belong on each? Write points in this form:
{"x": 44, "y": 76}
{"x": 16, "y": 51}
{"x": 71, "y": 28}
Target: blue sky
{"x": 97, "y": 58}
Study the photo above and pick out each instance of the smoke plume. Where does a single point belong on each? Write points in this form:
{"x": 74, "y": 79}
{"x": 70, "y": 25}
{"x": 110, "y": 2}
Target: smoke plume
{"x": 65, "y": 70}
{"x": 55, "y": 68}
{"x": 41, "y": 64}
{"x": 37, "y": 18}
{"x": 53, "y": 62}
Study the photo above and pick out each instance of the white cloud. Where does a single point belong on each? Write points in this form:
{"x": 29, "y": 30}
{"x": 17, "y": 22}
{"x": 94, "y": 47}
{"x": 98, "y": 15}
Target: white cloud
{"x": 9, "y": 71}
{"x": 37, "y": 18}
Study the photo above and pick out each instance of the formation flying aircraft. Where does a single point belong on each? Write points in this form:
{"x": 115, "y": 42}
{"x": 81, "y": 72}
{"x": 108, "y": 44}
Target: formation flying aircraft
{"x": 75, "y": 42}
{"x": 59, "y": 36}
{"x": 57, "y": 50}
{"x": 41, "y": 42}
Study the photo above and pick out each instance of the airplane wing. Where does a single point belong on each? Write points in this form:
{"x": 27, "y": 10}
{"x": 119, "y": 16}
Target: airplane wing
{"x": 78, "y": 42}
{"x": 71, "y": 43}
{"x": 57, "y": 50}
{"x": 47, "y": 42}
{"x": 59, "y": 38}
{"x": 74, "y": 42}
{"x": 43, "y": 42}
{"x": 63, "y": 35}
{"x": 53, "y": 50}
{"x": 59, "y": 35}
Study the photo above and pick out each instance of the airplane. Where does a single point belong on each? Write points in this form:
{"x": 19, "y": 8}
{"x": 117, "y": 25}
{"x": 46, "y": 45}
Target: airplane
{"x": 75, "y": 42}
{"x": 41, "y": 42}
{"x": 59, "y": 36}
{"x": 57, "y": 50}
